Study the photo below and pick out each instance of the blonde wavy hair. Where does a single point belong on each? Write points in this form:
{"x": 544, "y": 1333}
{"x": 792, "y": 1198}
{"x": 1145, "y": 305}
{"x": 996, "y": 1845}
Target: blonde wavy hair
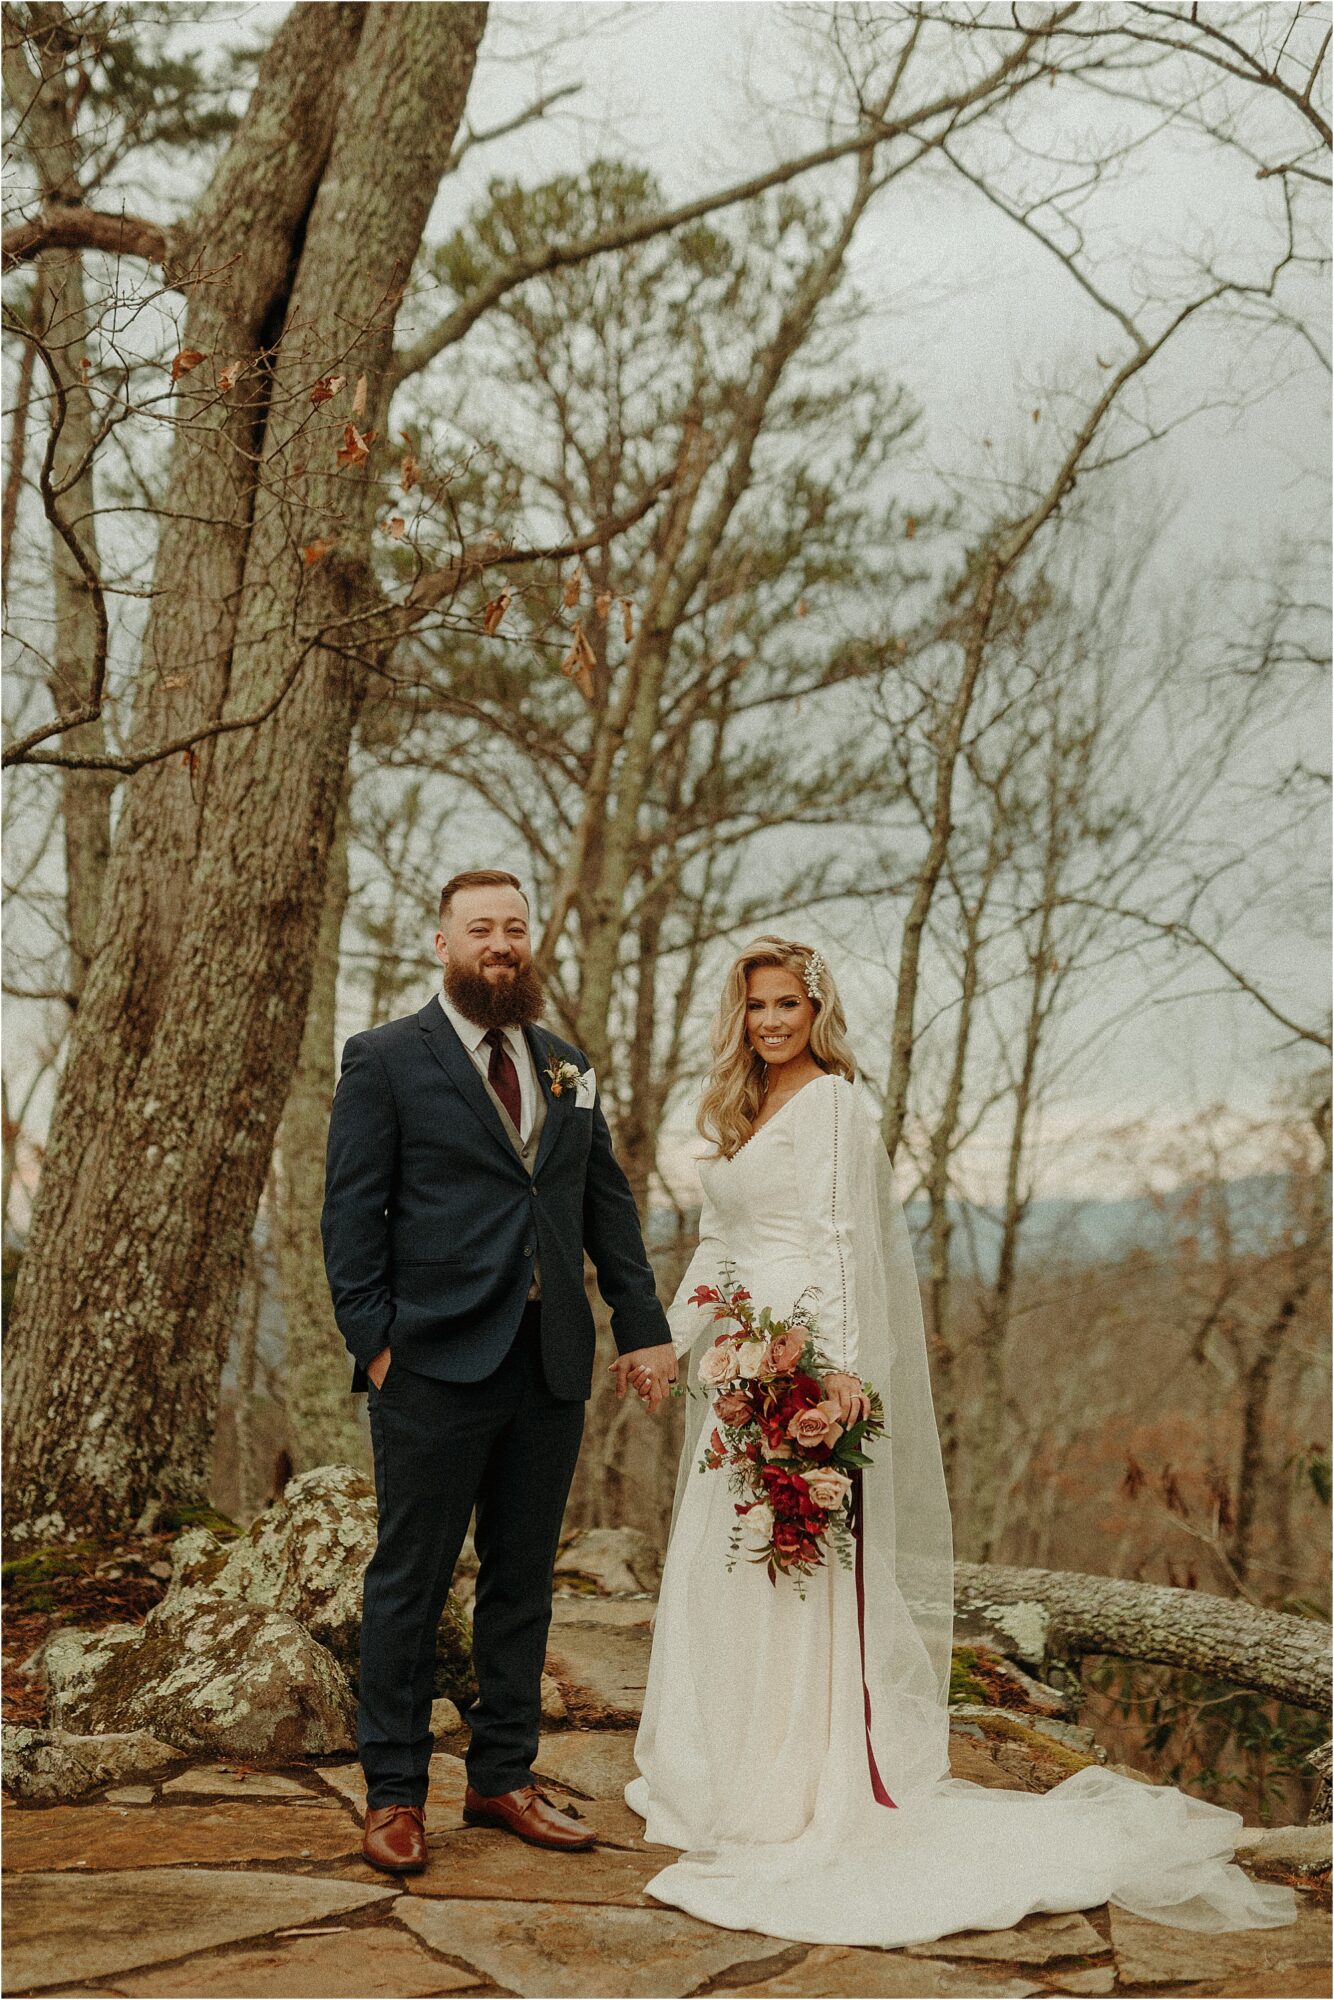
{"x": 734, "y": 1091}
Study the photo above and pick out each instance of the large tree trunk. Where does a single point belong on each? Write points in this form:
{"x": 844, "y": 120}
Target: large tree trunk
{"x": 157, "y": 1160}
{"x": 323, "y": 1425}
{"x": 235, "y": 260}
{"x": 1269, "y": 1651}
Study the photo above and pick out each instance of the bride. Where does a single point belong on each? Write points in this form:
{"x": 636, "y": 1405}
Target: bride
{"x": 796, "y": 1748}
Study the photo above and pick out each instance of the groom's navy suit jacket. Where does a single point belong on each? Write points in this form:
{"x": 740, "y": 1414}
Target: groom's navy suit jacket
{"x": 431, "y": 1221}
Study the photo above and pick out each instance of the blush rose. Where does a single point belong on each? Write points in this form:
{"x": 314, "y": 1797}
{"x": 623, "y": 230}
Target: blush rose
{"x": 829, "y": 1489}
{"x": 757, "y": 1525}
{"x": 749, "y": 1358}
{"x": 815, "y": 1426}
{"x": 785, "y": 1351}
{"x": 718, "y": 1365}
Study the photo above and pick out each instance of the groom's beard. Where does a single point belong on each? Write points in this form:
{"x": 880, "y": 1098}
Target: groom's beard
{"x": 512, "y": 1002}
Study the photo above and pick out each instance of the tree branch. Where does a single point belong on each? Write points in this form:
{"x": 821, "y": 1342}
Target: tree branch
{"x": 70, "y": 226}
{"x": 559, "y": 256}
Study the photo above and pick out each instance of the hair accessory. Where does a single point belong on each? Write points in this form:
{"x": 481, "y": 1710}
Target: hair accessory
{"x": 813, "y": 973}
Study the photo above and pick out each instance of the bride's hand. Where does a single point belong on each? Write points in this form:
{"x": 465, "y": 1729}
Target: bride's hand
{"x": 845, "y": 1393}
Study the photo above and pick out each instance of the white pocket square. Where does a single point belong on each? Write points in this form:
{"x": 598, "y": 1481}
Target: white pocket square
{"x": 585, "y": 1091}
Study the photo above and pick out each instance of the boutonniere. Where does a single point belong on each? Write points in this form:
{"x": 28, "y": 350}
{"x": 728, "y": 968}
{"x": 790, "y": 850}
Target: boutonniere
{"x": 561, "y": 1076}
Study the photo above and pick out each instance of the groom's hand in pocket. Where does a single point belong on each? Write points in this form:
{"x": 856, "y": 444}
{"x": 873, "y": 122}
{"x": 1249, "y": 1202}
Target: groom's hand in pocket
{"x": 649, "y": 1371}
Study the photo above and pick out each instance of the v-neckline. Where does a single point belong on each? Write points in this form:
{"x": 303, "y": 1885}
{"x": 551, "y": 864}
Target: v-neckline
{"x": 776, "y": 1116}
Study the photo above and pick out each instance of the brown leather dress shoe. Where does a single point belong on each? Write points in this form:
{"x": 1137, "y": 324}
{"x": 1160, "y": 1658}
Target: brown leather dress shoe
{"x": 395, "y": 1838}
{"x": 531, "y": 1815}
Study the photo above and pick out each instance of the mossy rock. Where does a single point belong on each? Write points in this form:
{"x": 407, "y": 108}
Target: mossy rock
{"x": 196, "y": 1514}
{"x": 966, "y": 1684}
{"x": 1043, "y": 1739}
{"x": 26, "y": 1579}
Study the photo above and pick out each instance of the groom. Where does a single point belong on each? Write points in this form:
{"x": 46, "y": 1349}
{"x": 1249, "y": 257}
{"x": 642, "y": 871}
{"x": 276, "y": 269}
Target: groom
{"x": 469, "y": 1168}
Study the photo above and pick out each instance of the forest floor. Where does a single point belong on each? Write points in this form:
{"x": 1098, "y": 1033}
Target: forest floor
{"x": 227, "y": 1880}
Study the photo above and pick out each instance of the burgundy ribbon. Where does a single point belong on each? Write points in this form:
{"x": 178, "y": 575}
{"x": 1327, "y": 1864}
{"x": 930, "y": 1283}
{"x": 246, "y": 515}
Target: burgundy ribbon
{"x": 881, "y": 1796}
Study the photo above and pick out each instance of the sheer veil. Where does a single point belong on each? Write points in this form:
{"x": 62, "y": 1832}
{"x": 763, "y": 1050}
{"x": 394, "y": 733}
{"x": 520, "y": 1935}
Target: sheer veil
{"x": 908, "y": 1541}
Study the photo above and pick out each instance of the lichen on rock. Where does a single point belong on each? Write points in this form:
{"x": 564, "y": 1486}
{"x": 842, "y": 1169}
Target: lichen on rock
{"x": 306, "y": 1555}
{"x": 46, "y": 1765}
{"x": 206, "y": 1674}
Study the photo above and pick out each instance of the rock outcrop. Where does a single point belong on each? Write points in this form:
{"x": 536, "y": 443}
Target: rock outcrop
{"x": 205, "y": 1674}
{"x": 306, "y": 1556}
{"x": 42, "y": 1766}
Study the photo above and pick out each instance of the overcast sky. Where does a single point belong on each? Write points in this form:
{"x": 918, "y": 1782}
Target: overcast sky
{"x": 980, "y": 324}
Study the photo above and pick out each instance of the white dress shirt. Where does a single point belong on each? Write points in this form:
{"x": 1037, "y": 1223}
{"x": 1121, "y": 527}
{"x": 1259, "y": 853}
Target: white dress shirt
{"x": 474, "y": 1041}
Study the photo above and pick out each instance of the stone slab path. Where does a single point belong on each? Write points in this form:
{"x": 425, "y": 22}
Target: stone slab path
{"x": 227, "y": 1883}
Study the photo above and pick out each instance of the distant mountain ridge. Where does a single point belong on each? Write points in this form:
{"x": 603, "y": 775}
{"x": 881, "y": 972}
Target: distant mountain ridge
{"x": 1083, "y": 1233}
{"x": 1079, "y": 1234}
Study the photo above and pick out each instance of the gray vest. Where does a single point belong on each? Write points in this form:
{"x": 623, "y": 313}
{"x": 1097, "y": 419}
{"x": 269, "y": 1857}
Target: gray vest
{"x": 528, "y": 1153}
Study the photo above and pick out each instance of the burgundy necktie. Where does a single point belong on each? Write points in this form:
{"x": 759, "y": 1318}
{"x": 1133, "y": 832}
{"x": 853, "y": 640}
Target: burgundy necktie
{"x": 503, "y": 1077}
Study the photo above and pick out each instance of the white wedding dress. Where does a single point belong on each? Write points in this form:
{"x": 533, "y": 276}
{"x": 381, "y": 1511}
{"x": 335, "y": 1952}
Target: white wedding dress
{"x": 754, "y": 1751}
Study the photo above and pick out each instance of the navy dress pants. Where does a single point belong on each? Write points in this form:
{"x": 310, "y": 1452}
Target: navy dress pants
{"x": 506, "y": 1447}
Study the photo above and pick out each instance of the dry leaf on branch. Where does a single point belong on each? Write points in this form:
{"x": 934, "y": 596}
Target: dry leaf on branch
{"x": 408, "y": 472}
{"x": 229, "y": 377}
{"x": 910, "y": 526}
{"x": 602, "y": 604}
{"x": 175, "y": 680}
{"x": 316, "y": 551}
{"x": 627, "y": 619}
{"x": 85, "y": 367}
{"x": 188, "y": 358}
{"x": 579, "y": 663}
{"x": 495, "y": 611}
{"x": 801, "y": 607}
{"x": 570, "y": 594}
{"x": 359, "y": 397}
{"x": 327, "y": 386}
{"x": 1037, "y": 416}
{"x": 396, "y": 527}
{"x": 356, "y": 445}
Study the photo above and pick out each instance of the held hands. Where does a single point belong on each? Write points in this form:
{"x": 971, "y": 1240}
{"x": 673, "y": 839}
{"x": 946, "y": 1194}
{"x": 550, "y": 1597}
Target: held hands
{"x": 649, "y": 1371}
{"x": 379, "y": 1368}
{"x": 845, "y": 1393}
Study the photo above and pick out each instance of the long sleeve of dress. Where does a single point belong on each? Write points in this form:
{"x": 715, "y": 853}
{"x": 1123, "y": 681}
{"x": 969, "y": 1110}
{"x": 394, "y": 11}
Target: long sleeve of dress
{"x": 687, "y": 1322}
{"x": 828, "y": 1132}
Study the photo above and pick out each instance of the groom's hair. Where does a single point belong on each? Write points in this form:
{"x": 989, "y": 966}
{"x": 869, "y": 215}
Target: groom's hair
{"x": 478, "y": 878}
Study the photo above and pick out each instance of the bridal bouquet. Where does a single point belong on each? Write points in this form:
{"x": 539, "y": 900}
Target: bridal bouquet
{"x": 789, "y": 1459}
